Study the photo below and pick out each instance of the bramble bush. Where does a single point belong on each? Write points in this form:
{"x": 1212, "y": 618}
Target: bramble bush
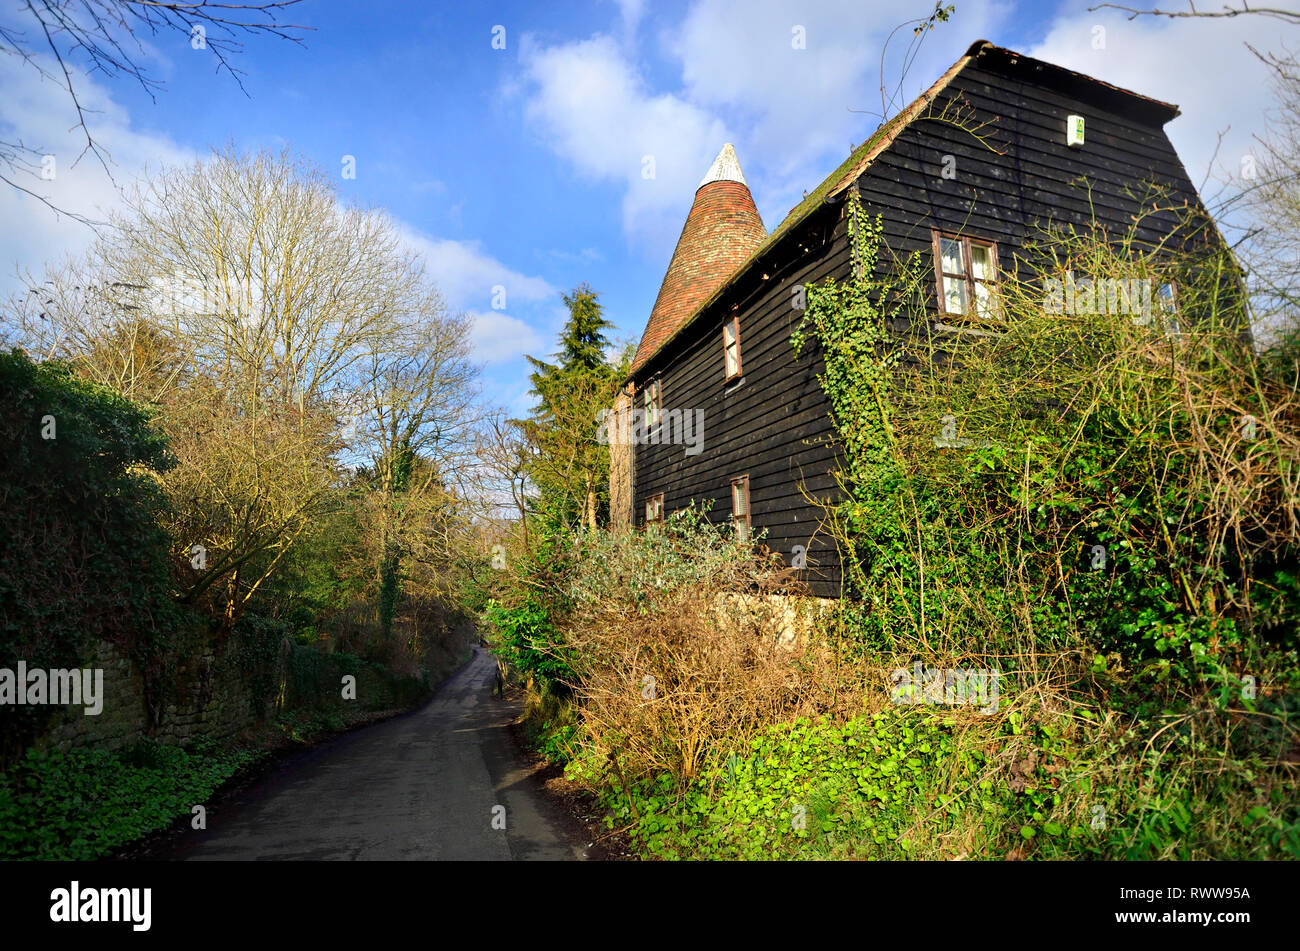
{"x": 1099, "y": 502}
{"x": 1098, "y": 506}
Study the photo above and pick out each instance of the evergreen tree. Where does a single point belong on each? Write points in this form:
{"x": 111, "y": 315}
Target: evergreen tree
{"x": 570, "y": 466}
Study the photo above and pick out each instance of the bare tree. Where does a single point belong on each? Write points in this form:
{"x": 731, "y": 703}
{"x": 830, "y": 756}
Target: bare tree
{"x": 419, "y": 432}
{"x": 263, "y": 303}
{"x": 1265, "y": 199}
{"x": 504, "y": 460}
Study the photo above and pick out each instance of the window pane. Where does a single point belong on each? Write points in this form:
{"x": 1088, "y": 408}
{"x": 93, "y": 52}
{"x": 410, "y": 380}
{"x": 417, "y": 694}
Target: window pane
{"x": 729, "y": 334}
{"x": 981, "y": 259}
{"x": 950, "y": 255}
{"x": 733, "y": 359}
{"x": 983, "y": 300}
{"x": 1165, "y": 298}
{"x": 954, "y": 295}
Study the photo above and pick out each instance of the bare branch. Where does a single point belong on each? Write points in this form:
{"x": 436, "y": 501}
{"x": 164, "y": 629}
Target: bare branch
{"x": 97, "y": 35}
{"x": 1275, "y": 13}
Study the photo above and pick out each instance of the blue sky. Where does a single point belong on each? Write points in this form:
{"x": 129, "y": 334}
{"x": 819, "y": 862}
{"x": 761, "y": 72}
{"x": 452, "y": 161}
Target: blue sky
{"x": 524, "y": 167}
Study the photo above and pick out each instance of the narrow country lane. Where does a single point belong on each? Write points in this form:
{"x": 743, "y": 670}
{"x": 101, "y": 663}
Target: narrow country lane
{"x": 422, "y": 786}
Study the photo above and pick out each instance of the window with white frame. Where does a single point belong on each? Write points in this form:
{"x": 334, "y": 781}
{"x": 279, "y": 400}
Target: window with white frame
{"x": 731, "y": 348}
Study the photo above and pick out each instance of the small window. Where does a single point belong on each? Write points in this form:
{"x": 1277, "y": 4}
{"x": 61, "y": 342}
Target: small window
{"x": 654, "y": 508}
{"x": 1158, "y": 308}
{"x": 651, "y": 397}
{"x": 740, "y": 507}
{"x": 966, "y": 270}
{"x": 1167, "y": 302}
{"x": 731, "y": 348}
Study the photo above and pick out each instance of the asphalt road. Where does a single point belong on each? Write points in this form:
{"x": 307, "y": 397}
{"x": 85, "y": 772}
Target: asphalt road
{"x": 424, "y": 786}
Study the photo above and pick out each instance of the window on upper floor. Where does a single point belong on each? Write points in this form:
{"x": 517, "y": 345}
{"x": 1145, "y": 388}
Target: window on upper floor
{"x": 966, "y": 271}
{"x": 652, "y": 399}
{"x": 1167, "y": 301}
{"x": 731, "y": 349}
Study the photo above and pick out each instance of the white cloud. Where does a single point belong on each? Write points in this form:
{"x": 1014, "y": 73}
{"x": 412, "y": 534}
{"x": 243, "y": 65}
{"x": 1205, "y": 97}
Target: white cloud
{"x": 474, "y": 282}
{"x": 805, "y": 108}
{"x": 597, "y": 113}
{"x": 630, "y": 14}
{"x": 468, "y": 276}
{"x": 499, "y": 338}
{"x": 786, "y": 109}
{"x": 39, "y": 112}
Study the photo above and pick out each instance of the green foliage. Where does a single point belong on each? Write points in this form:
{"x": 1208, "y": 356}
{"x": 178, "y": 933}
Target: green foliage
{"x": 906, "y": 785}
{"x": 306, "y": 726}
{"x": 569, "y": 467}
{"x": 527, "y": 640}
{"x": 81, "y": 805}
{"x": 319, "y": 581}
{"x": 1060, "y": 480}
{"x": 645, "y": 570}
{"x": 254, "y": 645}
{"x": 801, "y": 790}
{"x": 557, "y": 741}
{"x": 83, "y": 556}
{"x": 582, "y": 341}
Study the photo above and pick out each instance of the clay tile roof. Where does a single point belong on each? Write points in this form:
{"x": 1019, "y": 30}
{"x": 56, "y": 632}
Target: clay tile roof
{"x": 722, "y": 230}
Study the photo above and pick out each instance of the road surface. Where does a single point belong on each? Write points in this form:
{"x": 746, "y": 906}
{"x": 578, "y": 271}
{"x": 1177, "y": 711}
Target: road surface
{"x": 426, "y": 785}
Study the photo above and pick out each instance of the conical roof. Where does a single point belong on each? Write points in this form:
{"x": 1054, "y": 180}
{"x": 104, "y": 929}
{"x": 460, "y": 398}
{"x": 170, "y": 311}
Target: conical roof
{"x": 722, "y": 230}
{"x": 725, "y": 168}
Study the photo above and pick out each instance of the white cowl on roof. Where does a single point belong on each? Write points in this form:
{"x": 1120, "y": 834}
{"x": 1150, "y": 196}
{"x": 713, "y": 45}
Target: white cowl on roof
{"x": 725, "y": 168}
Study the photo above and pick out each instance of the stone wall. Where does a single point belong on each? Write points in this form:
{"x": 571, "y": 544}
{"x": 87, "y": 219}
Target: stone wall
{"x": 791, "y": 619}
{"x": 216, "y": 698}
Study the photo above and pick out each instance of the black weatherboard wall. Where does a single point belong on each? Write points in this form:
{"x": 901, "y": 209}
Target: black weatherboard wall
{"x": 773, "y": 425}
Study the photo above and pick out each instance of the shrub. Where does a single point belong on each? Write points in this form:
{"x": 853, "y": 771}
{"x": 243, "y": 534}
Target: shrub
{"x": 671, "y": 638}
{"x": 83, "y": 555}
